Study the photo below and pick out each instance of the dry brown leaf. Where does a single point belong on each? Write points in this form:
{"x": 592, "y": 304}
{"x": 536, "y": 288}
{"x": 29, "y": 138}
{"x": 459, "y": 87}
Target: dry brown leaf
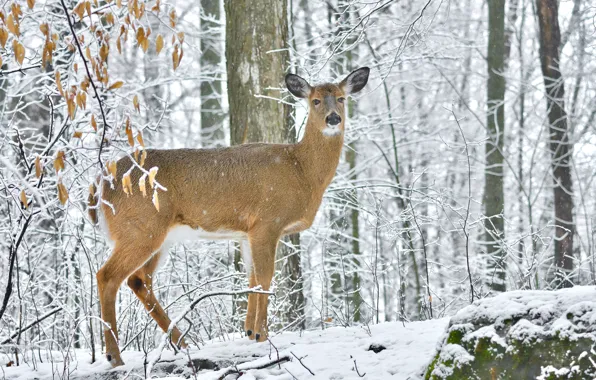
{"x": 113, "y": 169}
{"x": 59, "y": 161}
{"x": 93, "y": 123}
{"x": 38, "y": 167}
{"x": 78, "y": 99}
{"x": 173, "y": 18}
{"x": 23, "y": 197}
{"x": 145, "y": 45}
{"x": 3, "y": 36}
{"x": 152, "y": 174}
{"x": 142, "y": 185}
{"x": 155, "y": 200}
{"x": 128, "y": 130}
{"x": 110, "y": 18}
{"x": 12, "y": 25}
{"x": 140, "y": 139}
{"x": 88, "y": 7}
{"x": 175, "y": 57}
{"x": 62, "y": 193}
{"x": 16, "y": 9}
{"x": 135, "y": 103}
{"x": 159, "y": 43}
{"x": 72, "y": 107}
{"x": 30, "y": 3}
{"x": 116, "y": 85}
{"x": 79, "y": 10}
{"x": 45, "y": 29}
{"x": 126, "y": 184}
{"x": 119, "y": 45}
{"x": 140, "y": 35}
{"x": 104, "y": 76}
{"x": 104, "y": 51}
{"x": 77, "y": 135}
{"x": 156, "y": 7}
{"x": 19, "y": 51}
{"x": 181, "y": 37}
{"x": 59, "y": 83}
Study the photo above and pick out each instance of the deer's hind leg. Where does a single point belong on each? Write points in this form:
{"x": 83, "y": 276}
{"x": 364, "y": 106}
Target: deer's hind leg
{"x": 251, "y": 309}
{"x": 126, "y": 258}
{"x": 141, "y": 283}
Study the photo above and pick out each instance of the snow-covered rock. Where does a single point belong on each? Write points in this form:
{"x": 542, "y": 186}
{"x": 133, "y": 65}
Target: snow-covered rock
{"x": 522, "y": 335}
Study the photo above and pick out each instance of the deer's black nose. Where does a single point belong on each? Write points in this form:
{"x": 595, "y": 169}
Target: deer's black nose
{"x": 333, "y": 119}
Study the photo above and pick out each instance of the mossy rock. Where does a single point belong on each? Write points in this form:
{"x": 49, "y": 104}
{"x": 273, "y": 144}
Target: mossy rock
{"x": 521, "y": 335}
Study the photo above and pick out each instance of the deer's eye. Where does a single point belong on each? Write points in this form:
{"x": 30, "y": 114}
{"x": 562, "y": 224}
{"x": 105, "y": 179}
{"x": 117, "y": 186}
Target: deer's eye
{"x": 316, "y": 102}
{"x": 341, "y": 100}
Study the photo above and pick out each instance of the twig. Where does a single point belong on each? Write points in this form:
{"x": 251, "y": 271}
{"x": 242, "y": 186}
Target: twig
{"x": 13, "y": 255}
{"x": 103, "y": 115}
{"x": 32, "y": 324}
{"x": 300, "y": 361}
{"x": 467, "y": 207}
{"x": 276, "y": 350}
{"x": 19, "y": 70}
{"x": 236, "y": 370}
{"x": 356, "y": 368}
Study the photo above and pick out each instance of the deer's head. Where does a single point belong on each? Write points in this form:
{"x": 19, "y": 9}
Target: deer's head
{"x": 327, "y": 101}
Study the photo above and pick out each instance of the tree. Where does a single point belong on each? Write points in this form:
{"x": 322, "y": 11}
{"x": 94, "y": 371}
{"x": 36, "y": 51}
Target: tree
{"x": 561, "y": 149}
{"x": 494, "y": 198}
{"x": 253, "y": 30}
{"x": 211, "y": 110}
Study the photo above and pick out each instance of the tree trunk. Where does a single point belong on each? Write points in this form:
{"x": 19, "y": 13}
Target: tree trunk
{"x": 212, "y": 115}
{"x": 253, "y": 30}
{"x": 494, "y": 200}
{"x": 560, "y": 147}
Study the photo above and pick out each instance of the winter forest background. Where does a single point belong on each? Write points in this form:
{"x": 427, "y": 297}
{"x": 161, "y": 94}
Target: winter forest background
{"x": 468, "y": 167}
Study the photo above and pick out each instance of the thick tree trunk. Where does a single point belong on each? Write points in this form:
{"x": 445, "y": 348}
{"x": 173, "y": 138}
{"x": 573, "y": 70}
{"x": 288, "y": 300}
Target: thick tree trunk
{"x": 560, "y": 147}
{"x": 212, "y": 115}
{"x": 253, "y": 31}
{"x": 494, "y": 200}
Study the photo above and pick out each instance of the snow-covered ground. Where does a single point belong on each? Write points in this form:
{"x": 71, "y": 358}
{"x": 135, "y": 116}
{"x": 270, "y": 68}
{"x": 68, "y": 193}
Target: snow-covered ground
{"x": 330, "y": 354}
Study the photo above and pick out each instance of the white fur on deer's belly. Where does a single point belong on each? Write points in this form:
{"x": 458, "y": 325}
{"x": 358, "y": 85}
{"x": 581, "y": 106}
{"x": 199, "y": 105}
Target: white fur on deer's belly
{"x": 181, "y": 232}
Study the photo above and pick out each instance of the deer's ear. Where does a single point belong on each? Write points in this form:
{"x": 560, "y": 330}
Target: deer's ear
{"x": 355, "y": 81}
{"x": 298, "y": 86}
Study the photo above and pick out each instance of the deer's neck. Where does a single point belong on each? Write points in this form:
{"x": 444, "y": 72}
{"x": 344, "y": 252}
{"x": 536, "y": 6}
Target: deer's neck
{"x": 319, "y": 155}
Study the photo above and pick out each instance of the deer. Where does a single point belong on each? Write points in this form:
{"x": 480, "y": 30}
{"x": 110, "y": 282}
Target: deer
{"x": 252, "y": 193}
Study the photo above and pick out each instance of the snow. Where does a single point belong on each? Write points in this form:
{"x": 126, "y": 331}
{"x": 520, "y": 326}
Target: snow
{"x": 528, "y": 318}
{"x": 542, "y": 311}
{"x": 329, "y": 354}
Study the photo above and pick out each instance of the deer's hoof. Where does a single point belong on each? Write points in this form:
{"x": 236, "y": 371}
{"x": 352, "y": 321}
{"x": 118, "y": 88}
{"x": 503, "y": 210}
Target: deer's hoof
{"x": 114, "y": 361}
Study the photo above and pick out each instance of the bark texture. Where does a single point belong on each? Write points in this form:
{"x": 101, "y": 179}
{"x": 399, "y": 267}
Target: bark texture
{"x": 212, "y": 114}
{"x": 494, "y": 200}
{"x": 560, "y": 147}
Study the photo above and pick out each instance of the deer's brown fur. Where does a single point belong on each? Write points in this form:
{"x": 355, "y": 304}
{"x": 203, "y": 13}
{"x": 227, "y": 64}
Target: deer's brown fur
{"x": 260, "y": 191}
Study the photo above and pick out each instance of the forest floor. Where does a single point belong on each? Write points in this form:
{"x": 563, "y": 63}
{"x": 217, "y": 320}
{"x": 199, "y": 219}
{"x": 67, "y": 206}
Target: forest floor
{"x": 403, "y": 352}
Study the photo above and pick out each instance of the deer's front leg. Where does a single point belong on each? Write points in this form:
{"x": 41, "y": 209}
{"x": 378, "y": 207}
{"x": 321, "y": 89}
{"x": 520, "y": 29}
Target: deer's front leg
{"x": 263, "y": 245}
